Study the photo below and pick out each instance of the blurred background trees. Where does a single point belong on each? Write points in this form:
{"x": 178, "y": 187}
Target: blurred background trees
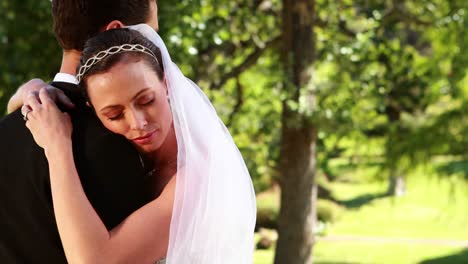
{"x": 373, "y": 83}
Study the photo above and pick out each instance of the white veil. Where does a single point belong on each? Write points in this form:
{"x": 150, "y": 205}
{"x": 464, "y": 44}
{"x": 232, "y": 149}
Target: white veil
{"x": 214, "y": 211}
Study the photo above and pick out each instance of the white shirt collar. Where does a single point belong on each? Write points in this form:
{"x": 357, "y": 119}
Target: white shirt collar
{"x": 65, "y": 77}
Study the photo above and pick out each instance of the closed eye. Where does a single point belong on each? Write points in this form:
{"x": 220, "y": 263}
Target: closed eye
{"x": 115, "y": 117}
{"x": 148, "y": 102}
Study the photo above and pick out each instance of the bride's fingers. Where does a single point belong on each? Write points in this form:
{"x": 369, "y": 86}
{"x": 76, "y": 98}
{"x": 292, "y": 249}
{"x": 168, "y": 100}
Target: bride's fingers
{"x": 62, "y": 98}
{"x": 28, "y": 125}
{"x": 45, "y": 98}
{"x": 29, "y": 116}
{"x": 25, "y": 109}
{"x": 33, "y": 102}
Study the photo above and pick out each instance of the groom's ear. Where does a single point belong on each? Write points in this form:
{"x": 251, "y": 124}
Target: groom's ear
{"x": 114, "y": 24}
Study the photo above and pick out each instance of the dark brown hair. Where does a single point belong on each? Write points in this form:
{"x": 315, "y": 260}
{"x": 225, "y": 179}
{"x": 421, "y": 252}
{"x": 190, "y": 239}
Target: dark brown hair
{"x": 118, "y": 37}
{"x": 75, "y": 21}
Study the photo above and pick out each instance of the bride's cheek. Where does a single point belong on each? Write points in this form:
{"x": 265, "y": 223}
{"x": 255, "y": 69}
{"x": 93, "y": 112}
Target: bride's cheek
{"x": 120, "y": 129}
{"x": 110, "y": 126}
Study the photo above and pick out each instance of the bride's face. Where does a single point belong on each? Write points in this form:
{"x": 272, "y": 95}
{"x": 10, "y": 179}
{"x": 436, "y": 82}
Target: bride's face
{"x": 130, "y": 100}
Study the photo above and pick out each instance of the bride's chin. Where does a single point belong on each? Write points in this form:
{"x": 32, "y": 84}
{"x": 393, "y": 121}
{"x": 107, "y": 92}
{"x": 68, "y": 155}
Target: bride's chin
{"x": 146, "y": 149}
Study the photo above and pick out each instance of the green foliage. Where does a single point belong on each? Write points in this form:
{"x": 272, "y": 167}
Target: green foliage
{"x": 385, "y": 71}
{"x": 328, "y": 211}
{"x": 268, "y": 204}
{"x": 382, "y": 69}
{"x": 227, "y": 48}
{"x": 267, "y": 218}
{"x": 268, "y": 210}
{"x": 27, "y": 46}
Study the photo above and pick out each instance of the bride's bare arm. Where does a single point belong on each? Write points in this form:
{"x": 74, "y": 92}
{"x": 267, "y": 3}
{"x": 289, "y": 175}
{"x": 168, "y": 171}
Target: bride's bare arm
{"x": 142, "y": 237}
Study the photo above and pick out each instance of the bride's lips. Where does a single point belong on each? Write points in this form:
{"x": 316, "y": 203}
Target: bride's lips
{"x": 144, "y": 139}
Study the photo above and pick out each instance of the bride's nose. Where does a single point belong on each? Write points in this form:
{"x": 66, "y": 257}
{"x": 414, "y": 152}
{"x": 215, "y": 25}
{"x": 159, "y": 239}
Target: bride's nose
{"x": 137, "y": 120}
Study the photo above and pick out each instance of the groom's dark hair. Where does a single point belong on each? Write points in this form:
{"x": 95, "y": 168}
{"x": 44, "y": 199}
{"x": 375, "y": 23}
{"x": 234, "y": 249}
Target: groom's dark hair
{"x": 75, "y": 21}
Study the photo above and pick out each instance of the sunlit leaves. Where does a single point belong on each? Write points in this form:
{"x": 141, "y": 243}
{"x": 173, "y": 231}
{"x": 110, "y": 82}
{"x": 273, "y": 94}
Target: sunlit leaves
{"x": 27, "y": 46}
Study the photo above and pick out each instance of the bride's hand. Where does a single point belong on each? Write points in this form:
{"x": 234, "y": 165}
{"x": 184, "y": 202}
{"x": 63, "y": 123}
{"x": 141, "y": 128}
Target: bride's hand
{"x": 50, "y": 127}
{"x": 32, "y": 87}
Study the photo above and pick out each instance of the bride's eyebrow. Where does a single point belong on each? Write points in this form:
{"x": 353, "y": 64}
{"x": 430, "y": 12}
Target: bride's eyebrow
{"x": 140, "y": 92}
{"x": 110, "y": 108}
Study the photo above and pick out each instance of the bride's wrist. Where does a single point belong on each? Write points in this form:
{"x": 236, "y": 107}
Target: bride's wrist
{"x": 58, "y": 149}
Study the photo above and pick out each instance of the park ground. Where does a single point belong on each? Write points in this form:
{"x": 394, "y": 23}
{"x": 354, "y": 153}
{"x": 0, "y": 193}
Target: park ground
{"x": 427, "y": 225}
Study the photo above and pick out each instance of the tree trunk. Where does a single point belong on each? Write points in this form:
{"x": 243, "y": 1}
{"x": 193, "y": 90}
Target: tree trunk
{"x": 298, "y": 137}
{"x": 296, "y": 219}
{"x": 396, "y": 186}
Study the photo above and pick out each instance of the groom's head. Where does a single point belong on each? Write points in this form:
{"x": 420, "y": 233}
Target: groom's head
{"x": 75, "y": 21}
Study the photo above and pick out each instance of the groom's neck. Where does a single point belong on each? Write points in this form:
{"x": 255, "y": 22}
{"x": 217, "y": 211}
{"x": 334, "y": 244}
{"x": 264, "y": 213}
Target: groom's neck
{"x": 70, "y": 60}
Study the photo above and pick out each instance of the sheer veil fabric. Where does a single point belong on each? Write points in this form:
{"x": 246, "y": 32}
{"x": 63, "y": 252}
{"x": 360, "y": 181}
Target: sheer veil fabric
{"x": 214, "y": 207}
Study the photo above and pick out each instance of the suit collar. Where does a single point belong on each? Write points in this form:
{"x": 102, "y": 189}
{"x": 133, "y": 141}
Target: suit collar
{"x": 66, "y": 78}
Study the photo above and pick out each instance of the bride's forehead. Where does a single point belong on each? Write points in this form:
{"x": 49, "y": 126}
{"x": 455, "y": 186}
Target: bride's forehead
{"x": 124, "y": 79}
{"x": 126, "y": 69}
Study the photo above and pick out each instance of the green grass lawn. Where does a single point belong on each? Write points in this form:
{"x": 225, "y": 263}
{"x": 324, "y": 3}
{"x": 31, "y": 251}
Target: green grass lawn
{"x": 347, "y": 253}
{"x": 381, "y": 253}
{"x": 431, "y": 209}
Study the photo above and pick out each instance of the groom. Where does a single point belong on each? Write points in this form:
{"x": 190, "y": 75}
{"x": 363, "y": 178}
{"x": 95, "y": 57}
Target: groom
{"x": 111, "y": 171}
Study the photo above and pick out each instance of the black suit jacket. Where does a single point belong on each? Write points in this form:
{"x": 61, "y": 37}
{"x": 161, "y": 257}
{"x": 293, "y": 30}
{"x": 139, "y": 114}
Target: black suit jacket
{"x": 110, "y": 172}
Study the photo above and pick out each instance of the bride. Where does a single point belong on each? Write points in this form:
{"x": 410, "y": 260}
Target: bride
{"x": 204, "y": 203}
